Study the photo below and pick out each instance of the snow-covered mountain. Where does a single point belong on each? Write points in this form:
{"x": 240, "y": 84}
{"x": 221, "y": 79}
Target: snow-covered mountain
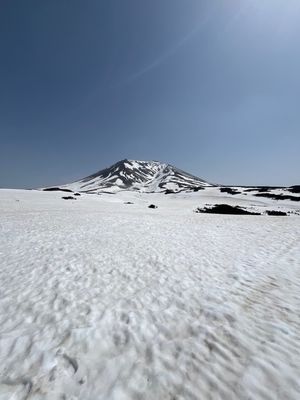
{"x": 143, "y": 176}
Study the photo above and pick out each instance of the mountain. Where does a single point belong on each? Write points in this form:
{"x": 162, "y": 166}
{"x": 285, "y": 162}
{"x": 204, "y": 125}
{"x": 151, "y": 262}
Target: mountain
{"x": 143, "y": 176}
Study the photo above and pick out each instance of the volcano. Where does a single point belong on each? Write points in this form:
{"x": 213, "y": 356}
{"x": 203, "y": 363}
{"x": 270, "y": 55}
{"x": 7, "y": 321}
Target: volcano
{"x": 142, "y": 176}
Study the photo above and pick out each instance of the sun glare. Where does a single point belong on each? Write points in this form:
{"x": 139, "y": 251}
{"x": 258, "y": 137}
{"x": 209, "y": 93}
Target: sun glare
{"x": 277, "y": 18}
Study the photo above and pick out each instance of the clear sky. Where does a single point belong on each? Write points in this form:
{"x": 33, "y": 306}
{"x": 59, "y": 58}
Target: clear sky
{"x": 210, "y": 86}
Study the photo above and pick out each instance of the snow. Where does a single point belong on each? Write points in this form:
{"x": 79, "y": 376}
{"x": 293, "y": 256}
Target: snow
{"x": 104, "y": 300}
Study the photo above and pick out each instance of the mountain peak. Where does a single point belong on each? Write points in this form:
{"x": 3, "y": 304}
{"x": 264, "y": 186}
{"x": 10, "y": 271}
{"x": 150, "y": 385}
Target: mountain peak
{"x": 137, "y": 175}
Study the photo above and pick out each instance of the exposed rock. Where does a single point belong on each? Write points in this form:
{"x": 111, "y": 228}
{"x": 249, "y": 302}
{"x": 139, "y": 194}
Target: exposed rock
{"x": 278, "y": 196}
{"x": 225, "y": 209}
{"x": 57, "y": 189}
{"x": 276, "y": 213}
{"x": 294, "y": 189}
{"x": 229, "y": 190}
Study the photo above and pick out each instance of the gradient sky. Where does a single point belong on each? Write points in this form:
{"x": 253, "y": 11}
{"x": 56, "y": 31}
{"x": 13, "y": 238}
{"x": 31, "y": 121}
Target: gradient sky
{"x": 210, "y": 86}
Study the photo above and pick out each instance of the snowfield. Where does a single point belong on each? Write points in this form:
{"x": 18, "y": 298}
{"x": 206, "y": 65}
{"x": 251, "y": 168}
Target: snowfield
{"x": 103, "y": 300}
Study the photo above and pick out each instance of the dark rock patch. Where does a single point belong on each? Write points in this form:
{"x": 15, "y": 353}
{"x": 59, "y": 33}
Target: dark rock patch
{"x": 294, "y": 189}
{"x": 69, "y": 198}
{"x": 261, "y": 189}
{"x": 225, "y": 209}
{"x": 152, "y": 206}
{"x": 196, "y": 189}
{"x": 128, "y": 202}
{"x": 276, "y": 213}
{"x": 278, "y": 196}
{"x": 169, "y": 191}
{"x": 229, "y": 190}
{"x": 77, "y": 194}
{"x": 57, "y": 189}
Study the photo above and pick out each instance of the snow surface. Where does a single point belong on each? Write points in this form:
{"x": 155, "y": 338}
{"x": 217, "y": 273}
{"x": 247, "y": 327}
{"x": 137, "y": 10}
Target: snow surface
{"x": 105, "y": 300}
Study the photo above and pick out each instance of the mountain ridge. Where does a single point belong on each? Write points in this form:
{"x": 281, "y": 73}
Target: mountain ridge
{"x": 137, "y": 175}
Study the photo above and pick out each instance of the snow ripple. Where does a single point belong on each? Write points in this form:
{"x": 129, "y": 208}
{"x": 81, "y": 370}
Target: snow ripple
{"x": 106, "y": 306}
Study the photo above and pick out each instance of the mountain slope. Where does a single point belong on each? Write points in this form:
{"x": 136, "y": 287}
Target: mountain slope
{"x": 143, "y": 176}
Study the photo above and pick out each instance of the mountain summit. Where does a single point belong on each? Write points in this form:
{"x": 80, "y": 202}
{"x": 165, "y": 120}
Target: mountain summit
{"x": 143, "y": 176}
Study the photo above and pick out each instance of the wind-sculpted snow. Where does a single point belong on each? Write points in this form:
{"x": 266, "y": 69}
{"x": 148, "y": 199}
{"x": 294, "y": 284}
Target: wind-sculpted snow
{"x": 102, "y": 300}
{"x": 144, "y": 176}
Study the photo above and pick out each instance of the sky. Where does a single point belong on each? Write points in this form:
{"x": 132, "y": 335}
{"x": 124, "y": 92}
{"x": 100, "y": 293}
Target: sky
{"x": 210, "y": 86}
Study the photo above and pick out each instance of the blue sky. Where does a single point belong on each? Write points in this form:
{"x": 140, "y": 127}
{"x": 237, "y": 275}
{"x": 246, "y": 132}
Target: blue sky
{"x": 210, "y": 86}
